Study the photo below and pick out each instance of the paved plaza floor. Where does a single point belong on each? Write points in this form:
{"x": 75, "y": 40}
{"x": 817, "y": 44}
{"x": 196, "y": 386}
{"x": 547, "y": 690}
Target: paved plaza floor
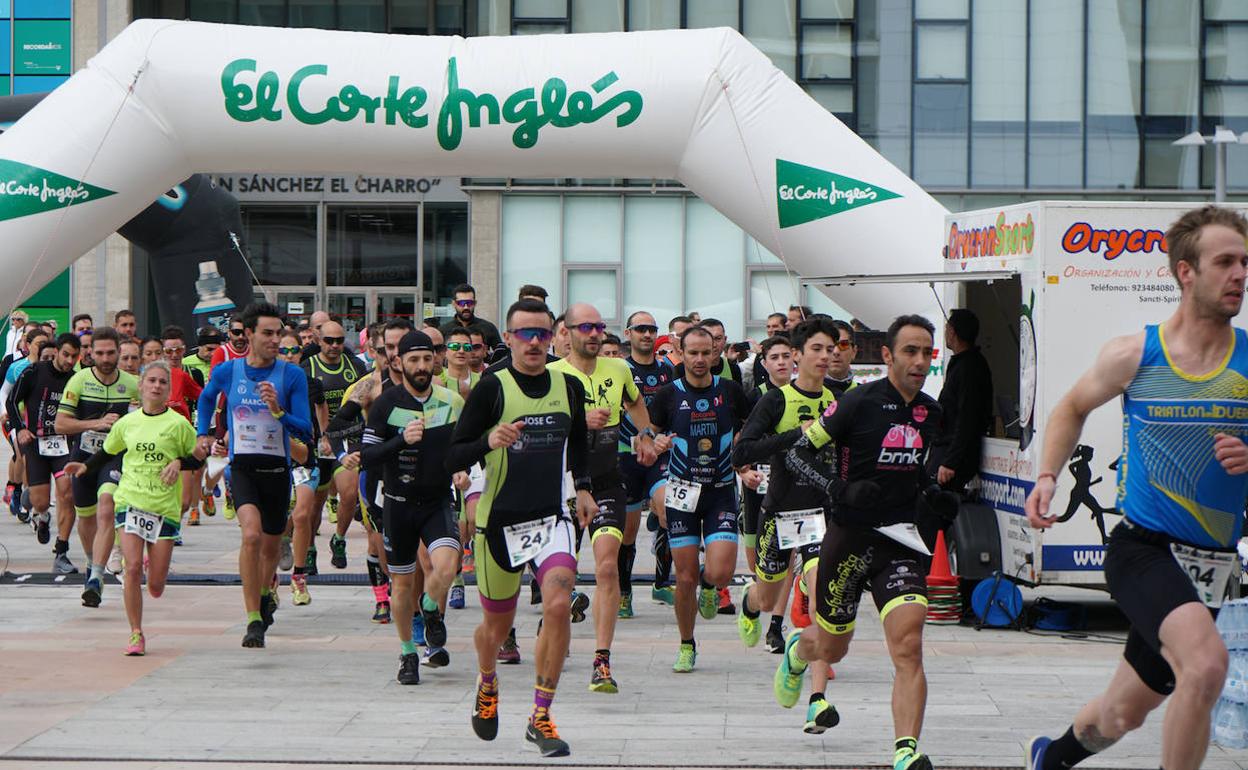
{"x": 323, "y": 692}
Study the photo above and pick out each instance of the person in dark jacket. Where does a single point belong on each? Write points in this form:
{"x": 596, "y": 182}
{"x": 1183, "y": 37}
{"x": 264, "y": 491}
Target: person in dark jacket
{"x": 966, "y": 399}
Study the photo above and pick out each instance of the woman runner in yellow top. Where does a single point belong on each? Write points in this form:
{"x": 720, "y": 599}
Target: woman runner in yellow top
{"x": 158, "y": 444}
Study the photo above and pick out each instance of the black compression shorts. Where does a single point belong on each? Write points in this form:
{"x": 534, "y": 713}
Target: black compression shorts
{"x": 853, "y": 559}
{"x": 407, "y": 524}
{"x": 1147, "y": 582}
{"x": 266, "y": 488}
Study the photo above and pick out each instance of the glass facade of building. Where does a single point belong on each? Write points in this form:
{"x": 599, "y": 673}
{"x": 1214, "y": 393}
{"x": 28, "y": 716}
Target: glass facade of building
{"x": 983, "y": 102}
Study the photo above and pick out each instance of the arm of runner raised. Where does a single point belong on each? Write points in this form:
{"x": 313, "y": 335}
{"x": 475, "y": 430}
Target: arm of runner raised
{"x": 578, "y": 438}
{"x": 756, "y": 443}
{"x": 470, "y": 441}
{"x": 218, "y": 380}
{"x": 1111, "y": 373}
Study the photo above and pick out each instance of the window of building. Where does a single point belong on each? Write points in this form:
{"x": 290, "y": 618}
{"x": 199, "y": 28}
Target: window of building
{"x": 999, "y": 95}
{"x": 282, "y": 243}
{"x": 372, "y": 245}
{"x": 941, "y": 101}
{"x": 541, "y": 17}
{"x": 408, "y": 17}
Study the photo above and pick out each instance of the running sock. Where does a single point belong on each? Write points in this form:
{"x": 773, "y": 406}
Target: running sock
{"x": 745, "y": 607}
{"x": 375, "y": 576}
{"x": 542, "y": 698}
{"x": 489, "y": 681}
{"x": 690, "y": 642}
{"x": 253, "y": 617}
{"x": 61, "y": 546}
{"x": 1065, "y": 752}
{"x": 408, "y": 647}
{"x": 603, "y": 655}
{"x": 817, "y": 696}
{"x": 904, "y": 747}
{"x": 628, "y": 553}
{"x": 777, "y": 623}
{"x": 301, "y": 570}
{"x": 705, "y": 585}
{"x": 97, "y": 572}
{"x": 380, "y": 594}
{"x": 427, "y": 603}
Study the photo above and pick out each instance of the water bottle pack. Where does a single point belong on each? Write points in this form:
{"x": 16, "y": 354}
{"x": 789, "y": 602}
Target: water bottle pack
{"x": 1230, "y": 713}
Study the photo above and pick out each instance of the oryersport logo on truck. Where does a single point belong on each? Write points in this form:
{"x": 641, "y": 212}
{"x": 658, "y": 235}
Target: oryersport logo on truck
{"x": 805, "y": 193}
{"x": 1003, "y": 238}
{"x": 26, "y": 190}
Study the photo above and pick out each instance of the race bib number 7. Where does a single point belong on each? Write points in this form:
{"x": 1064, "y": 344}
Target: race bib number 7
{"x": 682, "y": 495}
{"x": 144, "y": 524}
{"x": 797, "y": 528}
{"x": 1209, "y": 571}
{"x": 527, "y": 539}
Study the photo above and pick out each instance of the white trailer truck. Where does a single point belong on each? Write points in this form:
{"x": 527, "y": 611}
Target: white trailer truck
{"x": 1051, "y": 282}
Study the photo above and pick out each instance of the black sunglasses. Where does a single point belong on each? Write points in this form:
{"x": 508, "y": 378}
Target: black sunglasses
{"x": 644, "y": 328}
{"x": 333, "y": 340}
{"x": 236, "y": 332}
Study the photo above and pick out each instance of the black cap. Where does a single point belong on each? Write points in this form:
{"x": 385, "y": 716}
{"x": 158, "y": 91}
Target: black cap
{"x": 415, "y": 341}
{"x": 209, "y": 335}
{"x": 965, "y": 324}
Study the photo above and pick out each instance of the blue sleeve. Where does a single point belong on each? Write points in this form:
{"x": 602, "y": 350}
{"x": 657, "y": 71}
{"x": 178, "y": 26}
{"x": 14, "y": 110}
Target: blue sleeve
{"x": 217, "y": 383}
{"x": 297, "y": 419}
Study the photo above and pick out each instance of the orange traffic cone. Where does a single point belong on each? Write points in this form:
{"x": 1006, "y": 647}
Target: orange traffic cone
{"x": 940, "y": 575}
{"x": 944, "y": 602}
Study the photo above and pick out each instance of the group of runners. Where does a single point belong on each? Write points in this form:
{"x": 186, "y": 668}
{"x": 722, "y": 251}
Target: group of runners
{"x": 824, "y": 481}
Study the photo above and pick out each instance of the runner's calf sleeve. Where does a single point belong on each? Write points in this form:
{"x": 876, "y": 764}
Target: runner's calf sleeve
{"x": 628, "y": 553}
{"x": 1065, "y": 752}
{"x": 375, "y": 576}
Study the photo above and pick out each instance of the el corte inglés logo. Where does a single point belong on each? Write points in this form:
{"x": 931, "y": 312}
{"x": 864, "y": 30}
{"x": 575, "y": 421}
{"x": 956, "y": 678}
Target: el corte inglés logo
{"x": 26, "y": 190}
{"x": 804, "y": 193}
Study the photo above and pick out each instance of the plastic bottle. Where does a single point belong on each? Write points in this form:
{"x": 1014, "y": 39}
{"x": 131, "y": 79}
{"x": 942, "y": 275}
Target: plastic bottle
{"x": 211, "y": 289}
{"x": 1230, "y": 724}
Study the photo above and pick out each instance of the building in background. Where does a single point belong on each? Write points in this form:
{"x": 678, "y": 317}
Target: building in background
{"x": 983, "y": 102}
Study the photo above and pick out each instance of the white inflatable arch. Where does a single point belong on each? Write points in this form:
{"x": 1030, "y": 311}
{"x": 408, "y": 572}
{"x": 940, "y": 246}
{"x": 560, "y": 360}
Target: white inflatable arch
{"x": 167, "y": 99}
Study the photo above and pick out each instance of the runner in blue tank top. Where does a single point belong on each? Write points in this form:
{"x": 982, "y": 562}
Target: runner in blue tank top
{"x": 266, "y": 403}
{"x": 1182, "y": 482}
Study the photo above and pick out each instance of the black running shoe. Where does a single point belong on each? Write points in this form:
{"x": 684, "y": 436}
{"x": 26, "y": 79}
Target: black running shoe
{"x": 437, "y": 657}
{"x": 267, "y": 608}
{"x": 91, "y": 593}
{"x": 254, "y": 638}
{"x": 43, "y": 532}
{"x": 535, "y": 592}
{"x": 775, "y": 641}
{"x": 435, "y": 627}
{"x": 485, "y": 713}
{"x": 542, "y": 735}
{"x": 409, "y": 668}
{"x": 311, "y": 570}
{"x": 580, "y": 605}
{"x": 338, "y": 547}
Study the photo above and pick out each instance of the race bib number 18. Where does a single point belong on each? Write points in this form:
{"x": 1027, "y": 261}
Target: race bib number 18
{"x": 1209, "y": 571}
{"x": 145, "y": 525}
{"x": 527, "y": 539}
{"x": 682, "y": 495}
{"x": 92, "y": 441}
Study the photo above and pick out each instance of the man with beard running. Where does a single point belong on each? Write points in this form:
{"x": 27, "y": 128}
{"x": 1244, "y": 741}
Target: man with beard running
{"x": 93, "y": 400}
{"x": 409, "y": 430}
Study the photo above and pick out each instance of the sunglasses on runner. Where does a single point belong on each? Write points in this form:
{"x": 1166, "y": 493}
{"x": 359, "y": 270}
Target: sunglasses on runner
{"x": 333, "y": 340}
{"x": 179, "y": 349}
{"x": 458, "y": 347}
{"x": 465, "y": 302}
{"x": 589, "y": 328}
{"x": 531, "y": 334}
{"x": 289, "y": 351}
{"x": 236, "y": 332}
{"x": 843, "y": 344}
{"x": 644, "y": 328}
